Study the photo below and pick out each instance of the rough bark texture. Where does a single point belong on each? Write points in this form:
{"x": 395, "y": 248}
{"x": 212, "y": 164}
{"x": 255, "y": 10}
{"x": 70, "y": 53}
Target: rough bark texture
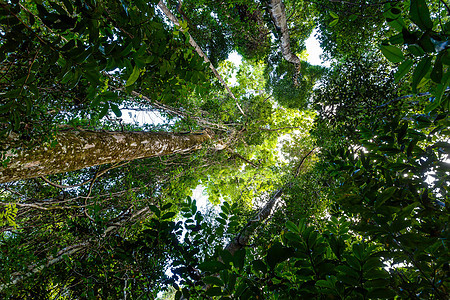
{"x": 278, "y": 13}
{"x": 81, "y": 149}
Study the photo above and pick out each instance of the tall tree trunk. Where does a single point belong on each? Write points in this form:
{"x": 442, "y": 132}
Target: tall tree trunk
{"x": 278, "y": 12}
{"x": 81, "y": 149}
{"x": 243, "y": 237}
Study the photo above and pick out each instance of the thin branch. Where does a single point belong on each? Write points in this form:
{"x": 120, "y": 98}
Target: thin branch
{"x": 445, "y": 4}
{"x": 302, "y": 161}
{"x": 200, "y": 52}
{"x": 33, "y": 205}
{"x": 241, "y": 157}
{"x": 179, "y": 113}
{"x": 83, "y": 183}
{"x": 278, "y": 129}
{"x": 241, "y": 240}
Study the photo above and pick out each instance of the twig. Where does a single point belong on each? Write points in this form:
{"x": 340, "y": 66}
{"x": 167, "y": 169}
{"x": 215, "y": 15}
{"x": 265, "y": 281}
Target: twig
{"x": 302, "y": 161}
{"x": 241, "y": 157}
{"x": 200, "y": 52}
{"x": 81, "y": 184}
{"x": 445, "y": 4}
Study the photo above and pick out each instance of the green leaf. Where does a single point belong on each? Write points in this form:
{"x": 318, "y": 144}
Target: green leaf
{"x": 416, "y": 50}
{"x": 276, "y": 254}
{"x": 68, "y": 6}
{"x": 133, "y": 77}
{"x": 397, "y": 39}
{"x": 381, "y": 293}
{"x": 324, "y": 284}
{"x": 239, "y": 258}
{"x": 420, "y": 14}
{"x": 168, "y": 215}
{"x": 116, "y": 110}
{"x": 155, "y": 209}
{"x": 347, "y": 271}
{"x": 393, "y": 54}
{"x": 292, "y": 227}
{"x": 213, "y": 266}
{"x": 226, "y": 256}
{"x": 384, "y": 196}
{"x": 334, "y": 15}
{"x": 212, "y": 280}
{"x": 214, "y": 291}
{"x": 259, "y": 265}
{"x": 104, "y": 111}
{"x": 436, "y": 73}
{"x": 421, "y": 70}
{"x": 403, "y": 69}
{"x": 438, "y": 93}
{"x": 334, "y": 22}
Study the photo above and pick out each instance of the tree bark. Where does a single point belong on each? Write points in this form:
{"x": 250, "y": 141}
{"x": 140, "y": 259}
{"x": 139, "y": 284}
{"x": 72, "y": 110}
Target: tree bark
{"x": 81, "y": 149}
{"x": 241, "y": 240}
{"x": 278, "y": 12}
{"x": 243, "y": 237}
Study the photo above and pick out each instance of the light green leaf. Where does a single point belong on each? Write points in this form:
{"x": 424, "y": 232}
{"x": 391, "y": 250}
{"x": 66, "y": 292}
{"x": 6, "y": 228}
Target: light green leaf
{"x": 133, "y": 77}
{"x": 334, "y": 15}
{"x": 333, "y": 23}
{"x": 292, "y": 227}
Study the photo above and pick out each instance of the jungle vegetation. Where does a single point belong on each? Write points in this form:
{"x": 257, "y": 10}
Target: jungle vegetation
{"x": 321, "y": 182}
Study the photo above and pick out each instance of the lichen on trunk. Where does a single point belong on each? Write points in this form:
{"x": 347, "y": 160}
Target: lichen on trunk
{"x": 81, "y": 149}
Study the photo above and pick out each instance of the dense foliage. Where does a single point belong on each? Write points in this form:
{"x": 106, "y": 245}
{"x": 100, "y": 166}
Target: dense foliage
{"x": 321, "y": 182}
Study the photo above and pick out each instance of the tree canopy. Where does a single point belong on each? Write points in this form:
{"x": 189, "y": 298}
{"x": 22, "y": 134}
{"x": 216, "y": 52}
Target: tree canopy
{"x": 268, "y": 179}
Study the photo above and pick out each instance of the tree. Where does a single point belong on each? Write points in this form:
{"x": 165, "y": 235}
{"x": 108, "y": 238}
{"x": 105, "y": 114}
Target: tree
{"x": 331, "y": 203}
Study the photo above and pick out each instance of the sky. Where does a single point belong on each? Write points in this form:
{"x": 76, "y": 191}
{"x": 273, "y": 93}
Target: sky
{"x": 314, "y": 51}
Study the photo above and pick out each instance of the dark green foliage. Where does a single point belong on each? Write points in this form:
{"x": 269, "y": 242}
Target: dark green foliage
{"x": 427, "y": 45}
{"x": 63, "y": 59}
{"x": 291, "y": 87}
{"x": 359, "y": 26}
{"x": 364, "y": 208}
{"x": 223, "y": 26}
{"x": 344, "y": 102}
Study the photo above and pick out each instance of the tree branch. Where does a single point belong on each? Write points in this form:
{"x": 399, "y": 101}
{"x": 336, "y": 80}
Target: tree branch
{"x": 200, "y": 52}
{"x": 278, "y": 13}
{"x": 241, "y": 240}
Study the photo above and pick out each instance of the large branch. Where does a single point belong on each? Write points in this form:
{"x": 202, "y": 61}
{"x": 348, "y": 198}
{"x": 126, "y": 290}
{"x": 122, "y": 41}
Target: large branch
{"x": 278, "y": 12}
{"x": 241, "y": 240}
{"x": 76, "y": 150}
{"x": 69, "y": 251}
{"x": 200, "y": 52}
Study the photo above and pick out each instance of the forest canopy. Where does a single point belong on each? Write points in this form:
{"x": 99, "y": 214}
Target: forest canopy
{"x": 269, "y": 179}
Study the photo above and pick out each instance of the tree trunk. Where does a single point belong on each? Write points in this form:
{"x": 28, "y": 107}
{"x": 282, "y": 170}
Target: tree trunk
{"x": 279, "y": 17}
{"x": 81, "y": 149}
